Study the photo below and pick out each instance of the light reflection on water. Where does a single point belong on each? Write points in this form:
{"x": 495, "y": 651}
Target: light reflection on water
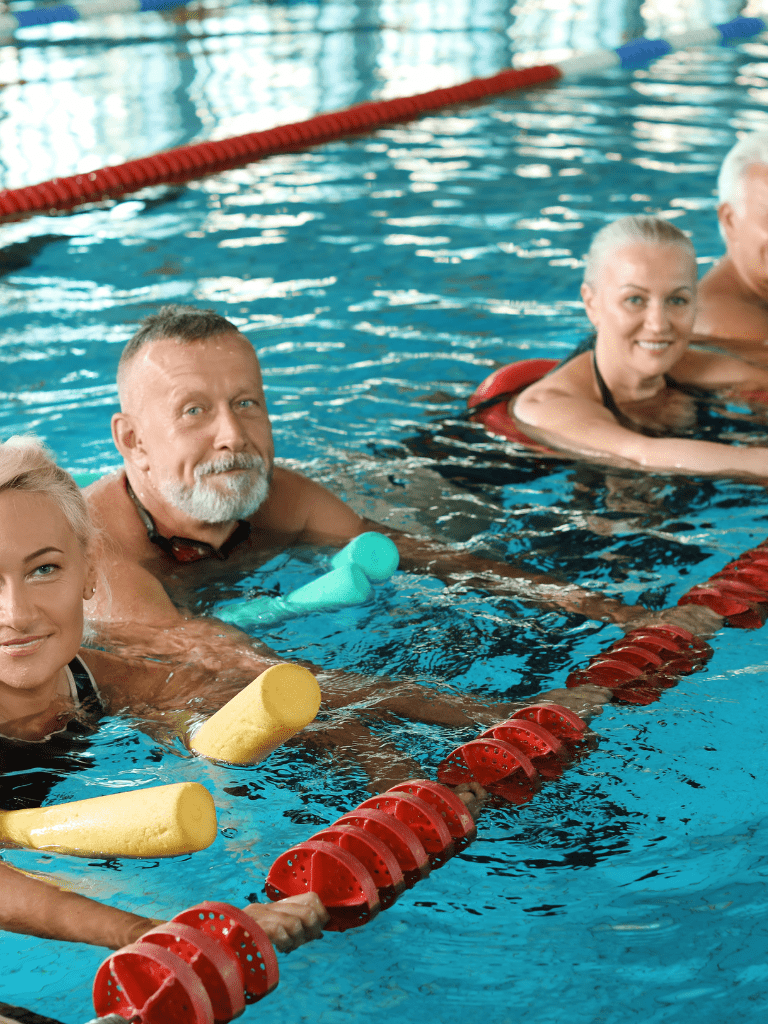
{"x": 382, "y": 278}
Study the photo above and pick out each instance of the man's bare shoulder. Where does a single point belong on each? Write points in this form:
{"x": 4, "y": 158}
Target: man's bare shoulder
{"x": 108, "y": 502}
{"x": 727, "y": 310}
{"x": 115, "y": 516}
{"x": 303, "y": 509}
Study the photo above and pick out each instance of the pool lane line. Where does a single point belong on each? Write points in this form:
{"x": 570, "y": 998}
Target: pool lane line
{"x": 79, "y": 10}
{"x": 187, "y": 163}
{"x": 412, "y": 828}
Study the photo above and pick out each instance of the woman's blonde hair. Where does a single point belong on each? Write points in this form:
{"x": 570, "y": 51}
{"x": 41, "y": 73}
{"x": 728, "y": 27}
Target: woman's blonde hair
{"x": 630, "y": 231}
{"x": 27, "y": 465}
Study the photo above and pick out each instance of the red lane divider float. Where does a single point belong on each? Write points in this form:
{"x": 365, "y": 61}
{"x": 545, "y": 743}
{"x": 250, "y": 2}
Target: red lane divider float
{"x": 205, "y": 964}
{"x": 200, "y": 968}
{"x": 187, "y": 162}
{"x": 738, "y": 592}
{"x": 422, "y": 823}
{"x": 644, "y": 662}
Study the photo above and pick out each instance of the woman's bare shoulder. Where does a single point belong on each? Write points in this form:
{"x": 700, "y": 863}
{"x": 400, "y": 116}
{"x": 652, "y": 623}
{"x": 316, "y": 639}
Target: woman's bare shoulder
{"x": 572, "y": 379}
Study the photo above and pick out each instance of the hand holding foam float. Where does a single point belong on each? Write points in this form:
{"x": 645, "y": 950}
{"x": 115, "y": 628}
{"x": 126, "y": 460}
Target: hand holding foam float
{"x": 271, "y": 709}
{"x": 369, "y": 558}
{"x": 164, "y": 821}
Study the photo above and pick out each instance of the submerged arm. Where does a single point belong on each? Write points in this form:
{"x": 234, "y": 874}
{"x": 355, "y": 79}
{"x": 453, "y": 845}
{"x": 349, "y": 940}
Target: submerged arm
{"x": 541, "y": 589}
{"x": 34, "y": 906}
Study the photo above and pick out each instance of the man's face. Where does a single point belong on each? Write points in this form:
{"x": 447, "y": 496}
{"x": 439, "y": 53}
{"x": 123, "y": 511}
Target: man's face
{"x": 745, "y": 227}
{"x": 201, "y": 430}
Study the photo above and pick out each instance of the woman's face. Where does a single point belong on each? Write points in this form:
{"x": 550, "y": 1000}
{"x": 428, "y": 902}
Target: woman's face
{"x": 44, "y": 577}
{"x": 643, "y": 305}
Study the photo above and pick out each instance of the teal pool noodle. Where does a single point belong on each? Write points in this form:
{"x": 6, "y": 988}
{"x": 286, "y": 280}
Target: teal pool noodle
{"x": 344, "y": 586}
{"x": 372, "y": 552}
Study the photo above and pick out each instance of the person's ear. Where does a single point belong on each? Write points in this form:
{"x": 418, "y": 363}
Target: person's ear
{"x": 89, "y": 587}
{"x": 726, "y": 215}
{"x": 588, "y": 298}
{"x": 128, "y": 440}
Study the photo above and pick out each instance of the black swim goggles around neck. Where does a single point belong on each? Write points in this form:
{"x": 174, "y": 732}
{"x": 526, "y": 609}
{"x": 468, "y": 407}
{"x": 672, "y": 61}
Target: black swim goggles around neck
{"x": 185, "y": 549}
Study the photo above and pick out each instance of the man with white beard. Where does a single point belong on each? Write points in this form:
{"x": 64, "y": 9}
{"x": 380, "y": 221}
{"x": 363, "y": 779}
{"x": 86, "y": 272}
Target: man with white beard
{"x": 200, "y": 502}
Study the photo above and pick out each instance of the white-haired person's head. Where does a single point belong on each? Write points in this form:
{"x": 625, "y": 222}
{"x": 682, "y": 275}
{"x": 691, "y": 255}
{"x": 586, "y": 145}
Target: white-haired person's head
{"x": 628, "y": 231}
{"x": 750, "y": 151}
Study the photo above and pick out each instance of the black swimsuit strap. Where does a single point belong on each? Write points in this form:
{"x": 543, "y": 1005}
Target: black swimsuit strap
{"x": 609, "y": 402}
{"x": 88, "y": 696}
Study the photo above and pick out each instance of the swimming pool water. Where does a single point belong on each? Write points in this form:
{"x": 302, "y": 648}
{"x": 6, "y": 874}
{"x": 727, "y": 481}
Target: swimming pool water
{"x": 381, "y": 279}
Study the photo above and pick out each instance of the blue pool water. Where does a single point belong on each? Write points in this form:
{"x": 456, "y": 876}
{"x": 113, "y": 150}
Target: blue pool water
{"x": 381, "y": 279}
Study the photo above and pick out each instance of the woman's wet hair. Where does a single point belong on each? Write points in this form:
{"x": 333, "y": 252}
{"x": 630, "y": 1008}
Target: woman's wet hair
{"x": 27, "y": 465}
{"x": 750, "y": 150}
{"x": 631, "y": 231}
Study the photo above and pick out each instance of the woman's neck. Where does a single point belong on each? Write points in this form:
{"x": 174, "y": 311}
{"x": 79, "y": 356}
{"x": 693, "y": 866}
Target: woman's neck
{"x": 626, "y": 383}
{"x": 18, "y": 704}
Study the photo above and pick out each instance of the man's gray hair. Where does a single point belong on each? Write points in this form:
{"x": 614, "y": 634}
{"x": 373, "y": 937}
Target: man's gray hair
{"x": 749, "y": 150}
{"x": 184, "y": 323}
{"x": 630, "y": 231}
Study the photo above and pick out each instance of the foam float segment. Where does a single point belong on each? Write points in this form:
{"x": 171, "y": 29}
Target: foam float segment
{"x": 341, "y": 588}
{"x": 267, "y": 712}
{"x": 376, "y": 555}
{"x": 163, "y": 821}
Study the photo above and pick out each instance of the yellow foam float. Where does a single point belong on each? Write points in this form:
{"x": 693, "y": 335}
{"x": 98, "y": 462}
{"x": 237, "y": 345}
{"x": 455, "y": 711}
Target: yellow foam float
{"x": 162, "y": 821}
{"x": 275, "y": 706}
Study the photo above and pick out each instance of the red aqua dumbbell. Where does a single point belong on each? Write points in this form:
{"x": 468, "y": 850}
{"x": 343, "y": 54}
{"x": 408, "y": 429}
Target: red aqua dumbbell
{"x": 504, "y": 768}
{"x": 200, "y": 968}
{"x": 449, "y": 806}
{"x": 643, "y": 663}
{"x": 561, "y": 722}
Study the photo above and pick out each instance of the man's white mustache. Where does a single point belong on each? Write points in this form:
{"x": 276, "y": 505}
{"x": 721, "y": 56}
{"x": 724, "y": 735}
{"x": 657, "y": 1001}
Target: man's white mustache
{"x": 227, "y": 463}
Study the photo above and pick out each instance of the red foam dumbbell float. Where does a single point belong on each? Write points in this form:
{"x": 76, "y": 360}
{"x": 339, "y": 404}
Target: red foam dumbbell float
{"x": 200, "y": 968}
{"x": 738, "y": 592}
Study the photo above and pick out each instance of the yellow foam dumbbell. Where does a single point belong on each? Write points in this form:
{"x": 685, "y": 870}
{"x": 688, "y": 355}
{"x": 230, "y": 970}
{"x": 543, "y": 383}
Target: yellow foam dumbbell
{"x": 163, "y": 821}
{"x": 267, "y": 712}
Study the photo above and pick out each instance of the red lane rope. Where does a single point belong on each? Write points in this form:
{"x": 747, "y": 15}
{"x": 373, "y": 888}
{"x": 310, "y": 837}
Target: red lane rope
{"x": 195, "y": 161}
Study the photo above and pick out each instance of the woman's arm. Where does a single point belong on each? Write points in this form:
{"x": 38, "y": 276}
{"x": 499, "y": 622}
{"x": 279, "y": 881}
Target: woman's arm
{"x": 580, "y": 425}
